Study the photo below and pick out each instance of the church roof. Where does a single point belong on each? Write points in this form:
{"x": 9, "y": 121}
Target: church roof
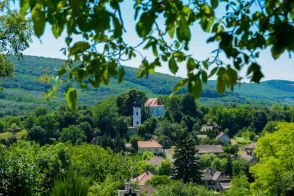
{"x": 153, "y": 102}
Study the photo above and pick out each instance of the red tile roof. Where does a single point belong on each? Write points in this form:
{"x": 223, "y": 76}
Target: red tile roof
{"x": 149, "y": 144}
{"x": 143, "y": 178}
{"x": 153, "y": 102}
{"x": 155, "y": 160}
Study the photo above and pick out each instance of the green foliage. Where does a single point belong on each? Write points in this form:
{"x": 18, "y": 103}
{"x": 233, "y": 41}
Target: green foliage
{"x": 165, "y": 168}
{"x": 273, "y": 173}
{"x": 240, "y": 186}
{"x": 15, "y": 36}
{"x": 178, "y": 188}
{"x": 186, "y": 164}
{"x": 71, "y": 184}
{"x": 147, "y": 155}
{"x": 241, "y": 31}
{"x": 157, "y": 181}
{"x": 73, "y": 134}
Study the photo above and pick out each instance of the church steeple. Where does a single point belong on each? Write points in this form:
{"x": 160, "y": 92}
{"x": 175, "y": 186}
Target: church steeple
{"x": 137, "y": 118}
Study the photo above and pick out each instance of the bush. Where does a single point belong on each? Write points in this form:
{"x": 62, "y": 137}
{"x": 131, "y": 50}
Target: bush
{"x": 72, "y": 185}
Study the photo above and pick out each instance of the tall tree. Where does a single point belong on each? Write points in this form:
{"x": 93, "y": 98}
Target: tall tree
{"x": 274, "y": 172}
{"x": 125, "y": 102}
{"x": 186, "y": 163}
{"x": 15, "y": 36}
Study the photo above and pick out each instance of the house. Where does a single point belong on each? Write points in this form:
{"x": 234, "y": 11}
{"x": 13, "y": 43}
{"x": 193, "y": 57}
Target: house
{"x": 155, "y": 160}
{"x": 223, "y": 138}
{"x": 143, "y": 178}
{"x": 155, "y": 107}
{"x": 129, "y": 190}
{"x": 250, "y": 158}
{"x": 215, "y": 180}
{"x": 249, "y": 149}
{"x": 151, "y": 146}
{"x": 141, "y": 182}
{"x": 209, "y": 149}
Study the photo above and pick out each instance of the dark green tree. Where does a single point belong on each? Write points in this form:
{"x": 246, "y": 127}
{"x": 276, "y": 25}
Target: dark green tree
{"x": 72, "y": 134}
{"x": 228, "y": 170}
{"x": 125, "y": 102}
{"x": 186, "y": 165}
{"x": 38, "y": 134}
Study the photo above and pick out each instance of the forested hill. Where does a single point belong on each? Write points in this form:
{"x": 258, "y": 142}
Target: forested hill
{"x": 24, "y": 91}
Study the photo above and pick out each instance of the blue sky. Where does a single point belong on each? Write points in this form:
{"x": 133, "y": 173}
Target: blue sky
{"x": 283, "y": 68}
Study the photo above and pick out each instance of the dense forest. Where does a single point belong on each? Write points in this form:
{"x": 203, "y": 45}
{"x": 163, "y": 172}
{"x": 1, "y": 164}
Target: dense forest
{"x": 46, "y": 149}
{"x": 24, "y": 91}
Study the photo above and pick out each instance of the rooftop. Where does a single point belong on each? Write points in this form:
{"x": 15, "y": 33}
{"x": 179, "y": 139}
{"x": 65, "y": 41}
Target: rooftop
{"x": 153, "y": 102}
{"x": 149, "y": 144}
{"x": 143, "y": 178}
{"x": 202, "y": 149}
{"x": 155, "y": 160}
{"x": 221, "y": 134}
{"x": 251, "y": 146}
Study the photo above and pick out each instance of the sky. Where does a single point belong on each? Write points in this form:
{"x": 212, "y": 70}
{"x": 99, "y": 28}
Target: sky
{"x": 282, "y": 68}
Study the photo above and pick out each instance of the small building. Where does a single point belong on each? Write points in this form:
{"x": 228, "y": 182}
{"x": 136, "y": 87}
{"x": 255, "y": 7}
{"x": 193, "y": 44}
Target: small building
{"x": 155, "y": 107}
{"x": 141, "y": 182}
{"x": 209, "y": 149}
{"x": 223, "y": 138}
{"x": 155, "y": 160}
{"x": 129, "y": 190}
{"x": 250, "y": 158}
{"x": 249, "y": 149}
{"x": 215, "y": 180}
{"x": 151, "y": 146}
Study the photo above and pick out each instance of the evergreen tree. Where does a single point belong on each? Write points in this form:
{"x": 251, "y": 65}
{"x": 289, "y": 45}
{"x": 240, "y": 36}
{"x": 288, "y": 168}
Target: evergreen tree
{"x": 186, "y": 164}
{"x": 229, "y": 166}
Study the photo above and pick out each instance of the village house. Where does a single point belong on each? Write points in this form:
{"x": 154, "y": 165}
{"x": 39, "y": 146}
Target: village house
{"x": 155, "y": 160}
{"x": 155, "y": 107}
{"x": 151, "y": 146}
{"x": 215, "y": 180}
{"x": 249, "y": 149}
{"x": 223, "y": 138}
{"x": 250, "y": 158}
{"x": 209, "y": 149}
{"x": 141, "y": 182}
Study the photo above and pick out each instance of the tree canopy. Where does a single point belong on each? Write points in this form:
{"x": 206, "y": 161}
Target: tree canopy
{"x": 273, "y": 173}
{"x": 241, "y": 31}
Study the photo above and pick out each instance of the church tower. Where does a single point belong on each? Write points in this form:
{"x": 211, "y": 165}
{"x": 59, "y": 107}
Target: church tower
{"x": 137, "y": 114}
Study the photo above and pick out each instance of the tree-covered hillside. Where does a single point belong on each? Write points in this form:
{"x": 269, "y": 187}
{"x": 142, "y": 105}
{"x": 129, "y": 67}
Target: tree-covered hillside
{"x": 24, "y": 91}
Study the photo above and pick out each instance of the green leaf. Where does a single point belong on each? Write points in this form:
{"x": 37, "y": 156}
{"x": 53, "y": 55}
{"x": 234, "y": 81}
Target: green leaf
{"x": 255, "y": 70}
{"x": 220, "y": 84}
{"x": 195, "y": 87}
{"x": 214, "y": 3}
{"x": 204, "y": 76}
{"x": 144, "y": 26}
{"x": 183, "y": 33}
{"x": 172, "y": 64}
{"x": 121, "y": 74}
{"x": 57, "y": 30}
{"x": 38, "y": 17}
{"x": 179, "y": 86}
{"x": 213, "y": 71}
{"x": 233, "y": 76}
{"x": 79, "y": 47}
{"x": 191, "y": 65}
{"x": 71, "y": 98}
{"x": 171, "y": 30}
